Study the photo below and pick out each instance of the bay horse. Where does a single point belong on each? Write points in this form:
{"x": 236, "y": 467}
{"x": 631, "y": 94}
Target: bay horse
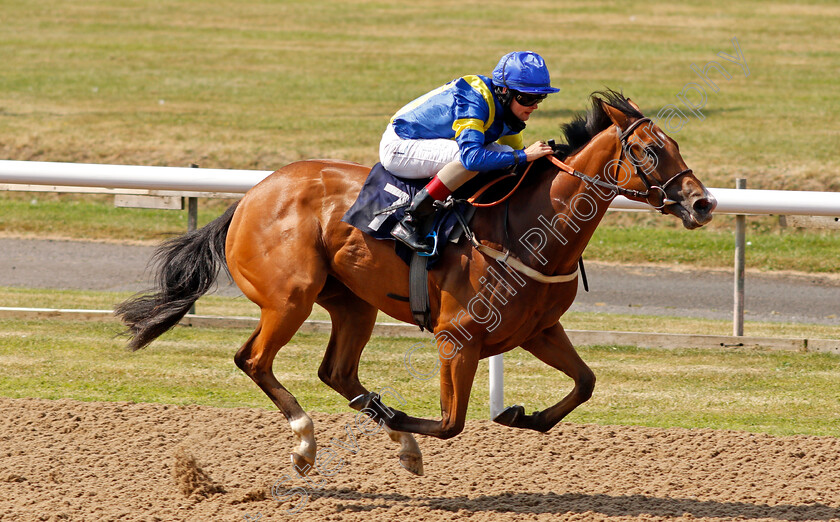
{"x": 286, "y": 247}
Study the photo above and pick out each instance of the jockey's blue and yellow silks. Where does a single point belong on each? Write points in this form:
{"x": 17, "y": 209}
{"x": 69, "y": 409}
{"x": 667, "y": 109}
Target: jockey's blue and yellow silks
{"x": 466, "y": 111}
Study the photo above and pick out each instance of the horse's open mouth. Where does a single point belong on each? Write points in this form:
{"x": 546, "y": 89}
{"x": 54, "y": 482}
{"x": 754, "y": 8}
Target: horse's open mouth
{"x": 700, "y": 213}
{"x": 689, "y": 221}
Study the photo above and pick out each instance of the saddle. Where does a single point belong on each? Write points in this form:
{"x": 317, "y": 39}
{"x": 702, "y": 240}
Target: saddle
{"x": 381, "y": 203}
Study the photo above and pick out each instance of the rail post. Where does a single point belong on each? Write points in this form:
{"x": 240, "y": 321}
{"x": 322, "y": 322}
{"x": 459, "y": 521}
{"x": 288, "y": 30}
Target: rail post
{"x": 497, "y": 387}
{"x": 192, "y": 220}
{"x": 740, "y": 261}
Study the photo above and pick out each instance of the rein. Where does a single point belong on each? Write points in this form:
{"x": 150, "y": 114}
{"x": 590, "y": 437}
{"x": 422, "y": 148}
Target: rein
{"x": 593, "y": 181}
{"x": 472, "y": 199}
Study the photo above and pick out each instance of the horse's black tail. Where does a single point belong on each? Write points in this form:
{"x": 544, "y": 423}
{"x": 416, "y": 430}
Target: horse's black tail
{"x": 187, "y": 267}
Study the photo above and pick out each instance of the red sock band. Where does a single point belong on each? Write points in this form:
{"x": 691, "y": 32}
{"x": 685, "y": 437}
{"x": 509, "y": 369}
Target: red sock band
{"x": 437, "y": 189}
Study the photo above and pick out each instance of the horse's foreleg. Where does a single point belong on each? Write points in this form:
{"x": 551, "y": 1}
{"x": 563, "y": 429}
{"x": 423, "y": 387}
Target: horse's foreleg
{"x": 456, "y": 379}
{"x": 553, "y": 347}
{"x": 352, "y": 323}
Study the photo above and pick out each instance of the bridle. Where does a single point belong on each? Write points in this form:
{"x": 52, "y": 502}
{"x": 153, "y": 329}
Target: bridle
{"x": 652, "y": 187}
{"x": 646, "y": 195}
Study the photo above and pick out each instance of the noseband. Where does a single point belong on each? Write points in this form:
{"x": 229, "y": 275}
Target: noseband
{"x": 643, "y": 175}
{"x": 652, "y": 188}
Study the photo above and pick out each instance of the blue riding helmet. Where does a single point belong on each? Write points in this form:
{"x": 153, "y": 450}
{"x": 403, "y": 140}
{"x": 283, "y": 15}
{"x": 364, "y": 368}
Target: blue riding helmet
{"x": 523, "y": 71}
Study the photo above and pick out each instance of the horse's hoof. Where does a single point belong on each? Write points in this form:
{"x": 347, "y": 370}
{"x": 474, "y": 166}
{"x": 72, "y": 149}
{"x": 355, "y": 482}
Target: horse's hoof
{"x": 510, "y": 415}
{"x": 301, "y": 465}
{"x": 412, "y": 462}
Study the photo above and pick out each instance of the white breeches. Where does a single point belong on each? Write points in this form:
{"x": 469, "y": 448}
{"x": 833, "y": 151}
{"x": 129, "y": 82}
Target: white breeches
{"x": 418, "y": 159}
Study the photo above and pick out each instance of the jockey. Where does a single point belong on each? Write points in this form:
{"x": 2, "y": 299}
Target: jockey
{"x": 471, "y": 124}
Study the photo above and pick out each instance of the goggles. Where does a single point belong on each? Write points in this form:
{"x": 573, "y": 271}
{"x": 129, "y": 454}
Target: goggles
{"x": 527, "y": 99}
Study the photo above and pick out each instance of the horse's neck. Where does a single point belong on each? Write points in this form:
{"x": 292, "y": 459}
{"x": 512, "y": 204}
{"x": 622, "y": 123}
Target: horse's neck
{"x": 575, "y": 207}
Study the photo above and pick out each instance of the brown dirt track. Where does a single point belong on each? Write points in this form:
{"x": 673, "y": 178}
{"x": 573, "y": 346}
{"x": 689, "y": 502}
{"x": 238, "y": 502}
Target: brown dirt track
{"x": 70, "y": 460}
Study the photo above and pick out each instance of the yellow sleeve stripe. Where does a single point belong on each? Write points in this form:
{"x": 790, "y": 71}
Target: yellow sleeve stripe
{"x": 515, "y": 141}
{"x": 477, "y": 84}
{"x": 463, "y": 124}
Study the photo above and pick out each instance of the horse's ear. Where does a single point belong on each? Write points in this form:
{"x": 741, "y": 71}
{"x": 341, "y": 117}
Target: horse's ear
{"x": 617, "y": 117}
{"x": 633, "y": 104}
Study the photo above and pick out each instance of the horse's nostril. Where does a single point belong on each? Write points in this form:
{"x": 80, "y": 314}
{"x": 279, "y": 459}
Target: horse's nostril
{"x": 703, "y": 206}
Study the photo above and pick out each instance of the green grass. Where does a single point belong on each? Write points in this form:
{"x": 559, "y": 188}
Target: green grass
{"x": 780, "y": 393}
{"x": 259, "y": 84}
{"x": 240, "y": 306}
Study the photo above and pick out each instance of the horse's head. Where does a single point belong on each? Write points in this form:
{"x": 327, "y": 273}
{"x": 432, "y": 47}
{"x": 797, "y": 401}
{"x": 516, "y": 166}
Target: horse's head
{"x": 651, "y": 168}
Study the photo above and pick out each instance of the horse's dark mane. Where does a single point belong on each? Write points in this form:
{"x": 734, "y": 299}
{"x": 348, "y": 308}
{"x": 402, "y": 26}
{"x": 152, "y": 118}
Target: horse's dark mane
{"x": 585, "y": 127}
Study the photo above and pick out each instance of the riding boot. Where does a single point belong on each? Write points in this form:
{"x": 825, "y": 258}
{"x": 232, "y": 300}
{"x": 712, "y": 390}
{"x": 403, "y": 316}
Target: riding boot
{"x": 410, "y": 229}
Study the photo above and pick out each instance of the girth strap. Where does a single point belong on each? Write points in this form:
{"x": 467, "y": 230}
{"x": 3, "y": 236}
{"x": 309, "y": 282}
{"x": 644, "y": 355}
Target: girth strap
{"x": 519, "y": 266}
{"x": 418, "y": 291}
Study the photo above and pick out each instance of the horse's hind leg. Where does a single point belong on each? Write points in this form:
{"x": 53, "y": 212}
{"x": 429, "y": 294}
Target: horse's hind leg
{"x": 554, "y": 348}
{"x": 352, "y": 323}
{"x": 255, "y": 358}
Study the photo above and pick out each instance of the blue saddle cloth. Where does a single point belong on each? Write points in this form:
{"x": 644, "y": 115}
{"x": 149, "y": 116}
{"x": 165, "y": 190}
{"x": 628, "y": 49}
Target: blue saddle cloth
{"x": 383, "y": 190}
